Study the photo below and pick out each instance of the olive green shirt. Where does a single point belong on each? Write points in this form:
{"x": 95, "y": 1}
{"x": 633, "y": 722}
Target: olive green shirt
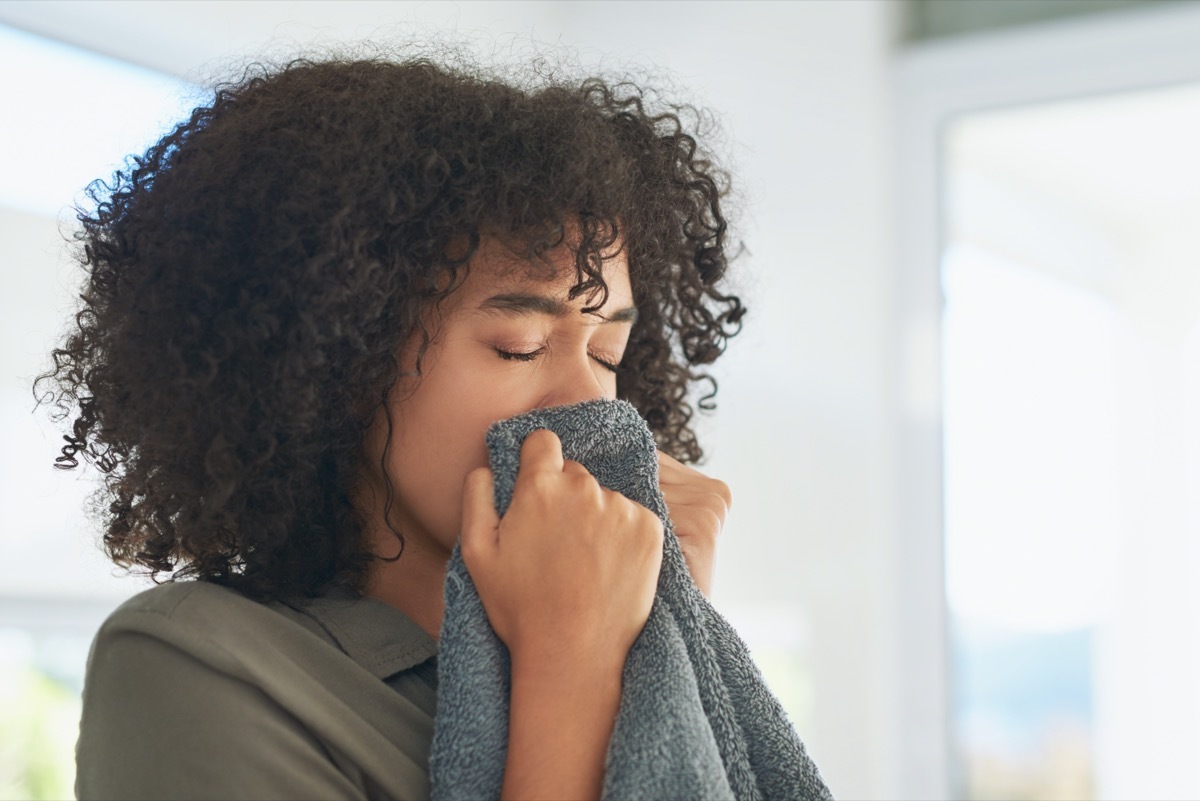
{"x": 194, "y": 691}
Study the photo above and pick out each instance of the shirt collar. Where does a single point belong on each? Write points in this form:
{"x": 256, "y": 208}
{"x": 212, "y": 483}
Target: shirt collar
{"x": 376, "y": 635}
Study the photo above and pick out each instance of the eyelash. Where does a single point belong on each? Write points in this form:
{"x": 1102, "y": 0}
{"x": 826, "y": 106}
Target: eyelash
{"x": 517, "y": 356}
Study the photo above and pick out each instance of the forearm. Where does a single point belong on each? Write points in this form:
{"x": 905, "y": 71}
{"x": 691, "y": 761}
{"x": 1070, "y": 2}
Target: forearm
{"x": 561, "y": 717}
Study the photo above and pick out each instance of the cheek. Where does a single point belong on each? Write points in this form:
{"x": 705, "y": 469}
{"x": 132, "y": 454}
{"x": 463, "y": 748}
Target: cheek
{"x": 438, "y": 438}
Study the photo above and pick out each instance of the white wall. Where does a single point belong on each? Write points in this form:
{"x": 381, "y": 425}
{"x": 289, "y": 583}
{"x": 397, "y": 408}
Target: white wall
{"x": 805, "y": 431}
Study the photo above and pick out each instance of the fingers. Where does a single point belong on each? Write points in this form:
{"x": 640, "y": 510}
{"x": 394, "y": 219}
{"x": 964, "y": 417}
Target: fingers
{"x": 540, "y": 452}
{"x": 570, "y": 559}
{"x": 542, "y": 463}
{"x": 480, "y": 523}
{"x": 698, "y": 505}
{"x": 684, "y": 484}
{"x": 702, "y": 522}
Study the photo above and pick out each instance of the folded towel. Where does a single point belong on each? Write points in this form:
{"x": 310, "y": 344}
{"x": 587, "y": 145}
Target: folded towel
{"x": 696, "y": 720}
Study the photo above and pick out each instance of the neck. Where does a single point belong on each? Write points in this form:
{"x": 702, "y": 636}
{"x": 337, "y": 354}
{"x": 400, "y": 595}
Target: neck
{"x": 413, "y": 584}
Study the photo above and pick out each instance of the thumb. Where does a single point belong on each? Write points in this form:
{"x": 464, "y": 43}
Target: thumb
{"x": 480, "y": 523}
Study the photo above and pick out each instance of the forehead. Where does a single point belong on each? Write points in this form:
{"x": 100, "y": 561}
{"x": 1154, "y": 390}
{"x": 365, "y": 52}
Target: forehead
{"x": 496, "y": 268}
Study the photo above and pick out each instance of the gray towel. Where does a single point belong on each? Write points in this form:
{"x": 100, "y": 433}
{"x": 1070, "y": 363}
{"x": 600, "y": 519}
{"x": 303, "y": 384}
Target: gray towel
{"x": 696, "y": 720}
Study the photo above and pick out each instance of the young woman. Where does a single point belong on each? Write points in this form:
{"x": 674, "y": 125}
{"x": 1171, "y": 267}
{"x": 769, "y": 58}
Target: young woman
{"x": 304, "y": 307}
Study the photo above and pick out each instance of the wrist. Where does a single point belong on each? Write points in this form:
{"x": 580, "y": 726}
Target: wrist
{"x": 563, "y": 662}
{"x": 563, "y": 709}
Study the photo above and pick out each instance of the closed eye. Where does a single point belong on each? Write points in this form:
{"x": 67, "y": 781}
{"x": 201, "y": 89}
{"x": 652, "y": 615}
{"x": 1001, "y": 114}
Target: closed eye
{"x": 612, "y": 366}
{"x": 518, "y": 356}
{"x": 528, "y": 356}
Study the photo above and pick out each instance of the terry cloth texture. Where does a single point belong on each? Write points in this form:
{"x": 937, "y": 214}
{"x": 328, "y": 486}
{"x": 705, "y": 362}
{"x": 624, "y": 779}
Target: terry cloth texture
{"x": 695, "y": 721}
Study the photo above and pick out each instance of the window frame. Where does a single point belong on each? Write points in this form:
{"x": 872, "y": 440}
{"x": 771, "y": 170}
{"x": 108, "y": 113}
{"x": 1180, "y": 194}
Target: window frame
{"x": 1128, "y": 49}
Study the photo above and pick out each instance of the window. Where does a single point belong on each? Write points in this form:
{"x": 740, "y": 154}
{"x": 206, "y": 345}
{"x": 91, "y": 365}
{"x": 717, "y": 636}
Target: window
{"x": 1072, "y": 467}
{"x": 70, "y": 117}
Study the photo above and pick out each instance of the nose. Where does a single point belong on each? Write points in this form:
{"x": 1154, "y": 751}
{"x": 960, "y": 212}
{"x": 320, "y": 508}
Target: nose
{"x": 575, "y": 380}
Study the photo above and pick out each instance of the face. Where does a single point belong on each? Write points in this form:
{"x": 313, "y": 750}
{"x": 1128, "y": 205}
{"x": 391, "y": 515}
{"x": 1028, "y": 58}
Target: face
{"x": 505, "y": 342}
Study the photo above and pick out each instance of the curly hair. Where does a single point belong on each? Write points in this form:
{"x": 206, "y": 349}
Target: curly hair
{"x": 252, "y": 277}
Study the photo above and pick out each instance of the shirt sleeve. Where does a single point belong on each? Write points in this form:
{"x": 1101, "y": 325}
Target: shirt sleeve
{"x": 159, "y": 723}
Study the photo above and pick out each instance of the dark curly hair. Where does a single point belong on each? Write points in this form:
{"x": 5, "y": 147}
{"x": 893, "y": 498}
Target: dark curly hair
{"x": 252, "y": 277}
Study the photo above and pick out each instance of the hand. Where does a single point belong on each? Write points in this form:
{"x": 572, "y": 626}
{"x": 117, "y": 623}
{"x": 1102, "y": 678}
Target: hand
{"x": 571, "y": 569}
{"x": 567, "y": 578}
{"x": 698, "y": 506}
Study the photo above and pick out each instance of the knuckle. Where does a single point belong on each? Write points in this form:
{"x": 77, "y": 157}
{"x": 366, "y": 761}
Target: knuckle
{"x": 478, "y": 478}
{"x": 649, "y": 522}
{"x": 712, "y": 503}
{"x": 581, "y": 481}
{"x": 539, "y": 482}
{"x": 709, "y": 523}
{"x": 631, "y": 512}
{"x": 654, "y": 541}
{"x": 722, "y": 491}
{"x": 541, "y": 438}
{"x": 472, "y": 553}
{"x": 575, "y": 469}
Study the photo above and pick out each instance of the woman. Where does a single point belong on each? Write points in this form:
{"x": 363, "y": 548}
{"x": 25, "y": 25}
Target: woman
{"x": 304, "y": 307}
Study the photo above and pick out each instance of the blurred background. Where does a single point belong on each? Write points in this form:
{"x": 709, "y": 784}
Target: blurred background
{"x": 962, "y": 426}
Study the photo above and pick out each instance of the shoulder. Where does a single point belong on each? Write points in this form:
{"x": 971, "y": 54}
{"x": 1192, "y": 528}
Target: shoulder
{"x": 194, "y": 617}
{"x": 182, "y": 601}
{"x": 215, "y": 627}
{"x": 194, "y": 690}
{"x": 180, "y": 700}
{"x": 175, "y": 630}
{"x": 335, "y": 638}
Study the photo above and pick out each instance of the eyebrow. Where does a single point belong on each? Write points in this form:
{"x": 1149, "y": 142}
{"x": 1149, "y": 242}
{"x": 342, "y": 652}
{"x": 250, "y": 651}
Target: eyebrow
{"x": 516, "y": 304}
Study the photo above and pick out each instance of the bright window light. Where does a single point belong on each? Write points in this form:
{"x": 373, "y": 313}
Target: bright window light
{"x": 1030, "y": 446}
{"x": 72, "y": 116}
{"x": 1071, "y": 356}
